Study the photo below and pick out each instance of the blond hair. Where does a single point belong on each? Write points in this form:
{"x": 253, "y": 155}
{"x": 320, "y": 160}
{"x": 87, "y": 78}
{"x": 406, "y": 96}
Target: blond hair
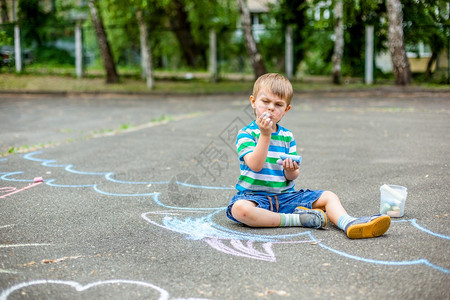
{"x": 276, "y": 84}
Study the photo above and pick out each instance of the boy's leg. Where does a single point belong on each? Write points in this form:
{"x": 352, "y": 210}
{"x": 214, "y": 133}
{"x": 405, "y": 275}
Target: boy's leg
{"x": 355, "y": 228}
{"x": 246, "y": 212}
{"x": 330, "y": 203}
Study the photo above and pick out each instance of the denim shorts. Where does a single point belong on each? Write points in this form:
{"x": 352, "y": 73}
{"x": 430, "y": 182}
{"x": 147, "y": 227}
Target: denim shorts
{"x": 282, "y": 203}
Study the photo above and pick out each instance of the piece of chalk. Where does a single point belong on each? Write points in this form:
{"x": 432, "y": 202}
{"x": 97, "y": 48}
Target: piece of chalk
{"x": 385, "y": 208}
{"x": 394, "y": 214}
{"x": 266, "y": 115}
{"x": 392, "y": 192}
{"x": 296, "y": 158}
{"x": 38, "y": 179}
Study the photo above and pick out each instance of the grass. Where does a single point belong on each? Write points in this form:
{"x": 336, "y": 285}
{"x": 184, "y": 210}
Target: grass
{"x": 165, "y": 82}
{"x": 57, "y": 83}
{"x": 94, "y": 134}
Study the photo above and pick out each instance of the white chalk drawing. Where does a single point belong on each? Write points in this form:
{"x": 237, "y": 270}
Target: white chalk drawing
{"x": 3, "y": 246}
{"x": 197, "y": 223}
{"x": 218, "y": 237}
{"x": 19, "y": 245}
{"x": 162, "y": 293}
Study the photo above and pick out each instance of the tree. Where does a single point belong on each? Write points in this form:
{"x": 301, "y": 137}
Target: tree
{"x": 252, "y": 49}
{"x": 32, "y": 20}
{"x": 4, "y": 11}
{"x": 400, "y": 64}
{"x": 339, "y": 41}
{"x": 193, "y": 53}
{"x": 426, "y": 21}
{"x": 146, "y": 53}
{"x": 105, "y": 49}
{"x": 293, "y": 13}
{"x": 134, "y": 19}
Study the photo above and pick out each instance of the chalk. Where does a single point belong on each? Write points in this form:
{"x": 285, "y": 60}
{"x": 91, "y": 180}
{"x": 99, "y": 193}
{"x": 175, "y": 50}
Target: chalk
{"x": 394, "y": 214}
{"x": 266, "y": 115}
{"x": 38, "y": 179}
{"x": 385, "y": 208}
{"x": 295, "y": 158}
{"x": 396, "y": 198}
{"x": 395, "y": 208}
{"x": 391, "y": 191}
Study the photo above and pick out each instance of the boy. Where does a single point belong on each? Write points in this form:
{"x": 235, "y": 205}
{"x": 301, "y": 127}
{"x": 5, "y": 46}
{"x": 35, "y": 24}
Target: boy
{"x": 266, "y": 195}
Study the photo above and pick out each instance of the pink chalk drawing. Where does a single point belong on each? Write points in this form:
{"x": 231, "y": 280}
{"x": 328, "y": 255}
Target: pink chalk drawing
{"x": 12, "y": 190}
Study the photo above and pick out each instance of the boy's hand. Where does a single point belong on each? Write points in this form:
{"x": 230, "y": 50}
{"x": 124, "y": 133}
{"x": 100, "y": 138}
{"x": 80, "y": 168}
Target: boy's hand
{"x": 291, "y": 170}
{"x": 265, "y": 124}
{"x": 290, "y": 165}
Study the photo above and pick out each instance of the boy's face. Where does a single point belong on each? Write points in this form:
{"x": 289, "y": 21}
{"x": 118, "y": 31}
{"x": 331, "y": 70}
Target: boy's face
{"x": 270, "y": 103}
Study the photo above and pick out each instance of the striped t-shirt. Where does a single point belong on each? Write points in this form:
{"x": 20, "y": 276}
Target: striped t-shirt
{"x": 270, "y": 180}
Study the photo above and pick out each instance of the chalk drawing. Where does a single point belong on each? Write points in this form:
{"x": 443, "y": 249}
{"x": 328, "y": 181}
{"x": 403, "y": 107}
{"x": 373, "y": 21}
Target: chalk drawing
{"x": 163, "y": 294}
{"x": 36, "y": 181}
{"x": 108, "y": 176}
{"x": 414, "y": 223}
{"x": 7, "y": 190}
{"x": 244, "y": 244}
{"x": 197, "y": 224}
{"x": 18, "y": 245}
{"x": 2, "y": 246}
{"x": 7, "y": 271}
{"x": 6, "y": 226}
{"x": 22, "y": 245}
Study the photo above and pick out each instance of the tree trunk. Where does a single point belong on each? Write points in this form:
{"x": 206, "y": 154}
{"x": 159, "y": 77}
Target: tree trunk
{"x": 105, "y": 49}
{"x": 339, "y": 42}
{"x": 255, "y": 57}
{"x": 179, "y": 22}
{"x": 146, "y": 53}
{"x": 428, "y": 72}
{"x": 400, "y": 64}
{"x": 4, "y": 9}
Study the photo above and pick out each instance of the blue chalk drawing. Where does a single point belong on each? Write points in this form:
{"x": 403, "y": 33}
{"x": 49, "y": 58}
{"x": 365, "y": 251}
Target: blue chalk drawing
{"x": 414, "y": 223}
{"x": 198, "y": 224}
{"x": 386, "y": 262}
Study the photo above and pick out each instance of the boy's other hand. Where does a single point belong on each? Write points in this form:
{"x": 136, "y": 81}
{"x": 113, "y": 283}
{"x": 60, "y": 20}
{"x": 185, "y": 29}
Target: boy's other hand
{"x": 290, "y": 165}
{"x": 291, "y": 169}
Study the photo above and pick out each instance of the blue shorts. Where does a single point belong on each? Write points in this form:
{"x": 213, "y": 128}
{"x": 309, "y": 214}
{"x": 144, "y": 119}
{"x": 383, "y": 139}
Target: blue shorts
{"x": 281, "y": 203}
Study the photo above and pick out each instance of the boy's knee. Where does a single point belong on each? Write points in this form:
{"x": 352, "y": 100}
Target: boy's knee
{"x": 329, "y": 195}
{"x": 325, "y": 199}
{"x": 240, "y": 209}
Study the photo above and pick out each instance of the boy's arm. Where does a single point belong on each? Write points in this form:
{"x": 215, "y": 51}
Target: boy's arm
{"x": 291, "y": 170}
{"x": 256, "y": 159}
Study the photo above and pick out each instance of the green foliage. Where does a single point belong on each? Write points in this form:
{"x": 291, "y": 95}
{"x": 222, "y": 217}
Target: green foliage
{"x": 122, "y": 28}
{"x": 32, "y": 20}
{"x": 293, "y": 13}
{"x": 53, "y": 56}
{"x": 427, "y": 22}
{"x": 272, "y": 49}
{"x": 320, "y": 50}
{"x": 45, "y": 25}
{"x": 5, "y": 37}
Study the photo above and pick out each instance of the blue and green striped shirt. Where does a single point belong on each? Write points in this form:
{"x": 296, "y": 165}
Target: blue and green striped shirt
{"x": 270, "y": 180}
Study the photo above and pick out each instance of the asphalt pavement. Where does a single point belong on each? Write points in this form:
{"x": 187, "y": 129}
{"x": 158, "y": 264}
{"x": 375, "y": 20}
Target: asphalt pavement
{"x": 134, "y": 188}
